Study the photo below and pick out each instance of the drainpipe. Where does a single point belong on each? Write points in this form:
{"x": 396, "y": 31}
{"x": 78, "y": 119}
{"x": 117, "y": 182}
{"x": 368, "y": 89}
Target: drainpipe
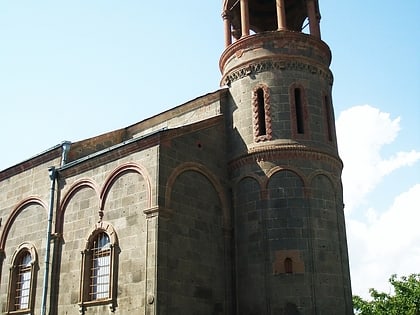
{"x": 53, "y": 176}
{"x": 65, "y": 145}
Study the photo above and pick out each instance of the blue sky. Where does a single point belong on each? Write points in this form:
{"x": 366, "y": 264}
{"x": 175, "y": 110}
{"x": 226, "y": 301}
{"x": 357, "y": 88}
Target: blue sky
{"x": 72, "y": 70}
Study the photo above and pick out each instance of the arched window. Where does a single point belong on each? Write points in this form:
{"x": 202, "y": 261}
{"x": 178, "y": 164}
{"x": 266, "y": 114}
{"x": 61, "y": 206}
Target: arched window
{"x": 22, "y": 280}
{"x": 288, "y": 265}
{"x": 99, "y": 266}
{"x": 261, "y": 113}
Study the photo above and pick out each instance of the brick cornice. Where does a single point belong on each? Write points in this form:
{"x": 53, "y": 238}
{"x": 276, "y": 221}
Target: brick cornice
{"x": 284, "y": 152}
{"x": 278, "y": 39}
{"x": 42, "y": 158}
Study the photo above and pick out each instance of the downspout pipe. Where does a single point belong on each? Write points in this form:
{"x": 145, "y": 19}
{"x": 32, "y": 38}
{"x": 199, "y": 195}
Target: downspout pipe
{"x": 53, "y": 177}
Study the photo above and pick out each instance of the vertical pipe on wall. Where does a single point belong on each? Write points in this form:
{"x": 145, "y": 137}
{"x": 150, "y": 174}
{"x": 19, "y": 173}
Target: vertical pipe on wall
{"x": 53, "y": 176}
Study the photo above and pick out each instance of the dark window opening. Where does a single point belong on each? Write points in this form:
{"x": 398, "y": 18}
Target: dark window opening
{"x": 299, "y": 111}
{"x": 288, "y": 265}
{"x": 328, "y": 117}
{"x": 262, "y": 130}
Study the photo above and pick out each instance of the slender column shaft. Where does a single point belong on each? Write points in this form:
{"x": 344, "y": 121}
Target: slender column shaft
{"x": 313, "y": 19}
{"x": 281, "y": 15}
{"x": 244, "y": 18}
{"x": 228, "y": 28}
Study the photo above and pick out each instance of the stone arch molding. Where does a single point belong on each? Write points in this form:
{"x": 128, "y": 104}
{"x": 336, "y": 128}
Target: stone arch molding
{"x": 102, "y": 193}
{"x": 199, "y": 168}
{"x": 32, "y": 200}
{"x": 120, "y": 170}
{"x": 336, "y": 184}
{"x": 102, "y": 226}
{"x": 28, "y": 247}
{"x": 264, "y": 180}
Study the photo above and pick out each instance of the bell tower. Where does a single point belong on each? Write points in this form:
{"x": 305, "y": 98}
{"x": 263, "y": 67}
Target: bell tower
{"x": 288, "y": 221}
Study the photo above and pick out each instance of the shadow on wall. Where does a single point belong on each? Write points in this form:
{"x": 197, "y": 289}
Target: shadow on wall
{"x": 290, "y": 309}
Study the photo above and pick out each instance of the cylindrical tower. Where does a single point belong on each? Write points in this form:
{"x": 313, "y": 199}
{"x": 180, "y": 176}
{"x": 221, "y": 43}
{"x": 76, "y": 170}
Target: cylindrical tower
{"x": 290, "y": 240}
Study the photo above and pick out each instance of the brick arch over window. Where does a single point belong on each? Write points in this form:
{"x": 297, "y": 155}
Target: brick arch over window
{"x": 192, "y": 166}
{"x": 299, "y": 118}
{"x": 116, "y": 173}
{"x": 261, "y": 113}
{"x": 22, "y": 280}
{"x": 74, "y": 189}
{"x": 15, "y": 213}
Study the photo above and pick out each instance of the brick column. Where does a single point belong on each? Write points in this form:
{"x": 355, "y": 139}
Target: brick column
{"x": 244, "y": 18}
{"x": 228, "y": 28}
{"x": 281, "y": 15}
{"x": 313, "y": 19}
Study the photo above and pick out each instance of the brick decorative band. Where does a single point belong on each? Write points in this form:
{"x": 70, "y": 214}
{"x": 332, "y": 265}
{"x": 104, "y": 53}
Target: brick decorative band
{"x": 275, "y": 65}
{"x": 285, "y": 152}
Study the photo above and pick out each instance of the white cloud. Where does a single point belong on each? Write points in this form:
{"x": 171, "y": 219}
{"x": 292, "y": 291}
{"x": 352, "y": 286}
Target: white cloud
{"x": 385, "y": 244}
{"x": 381, "y": 241}
{"x": 362, "y": 132}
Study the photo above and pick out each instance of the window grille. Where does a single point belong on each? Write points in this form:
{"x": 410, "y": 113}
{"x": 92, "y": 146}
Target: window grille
{"x": 23, "y": 283}
{"x": 101, "y": 268}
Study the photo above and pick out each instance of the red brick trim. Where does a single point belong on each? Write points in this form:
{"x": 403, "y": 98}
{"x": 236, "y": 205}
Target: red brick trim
{"x": 285, "y": 152}
{"x": 267, "y": 133}
{"x": 193, "y": 166}
{"x": 32, "y": 200}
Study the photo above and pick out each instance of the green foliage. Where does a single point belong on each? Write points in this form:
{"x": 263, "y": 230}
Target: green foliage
{"x": 404, "y": 301}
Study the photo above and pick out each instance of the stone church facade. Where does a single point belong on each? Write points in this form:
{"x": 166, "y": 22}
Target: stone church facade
{"x": 228, "y": 204}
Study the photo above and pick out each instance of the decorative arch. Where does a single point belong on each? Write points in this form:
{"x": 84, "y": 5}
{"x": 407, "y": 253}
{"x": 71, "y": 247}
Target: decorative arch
{"x": 193, "y": 166}
{"x": 105, "y": 227}
{"x": 76, "y": 187}
{"x": 255, "y": 177}
{"x": 294, "y": 170}
{"x": 116, "y": 173}
{"x": 28, "y": 247}
{"x": 32, "y": 200}
{"x": 334, "y": 183}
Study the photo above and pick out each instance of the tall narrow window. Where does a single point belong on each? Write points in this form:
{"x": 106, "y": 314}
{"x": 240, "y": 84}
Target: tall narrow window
{"x": 328, "y": 117}
{"x": 22, "y": 277}
{"x": 261, "y": 112}
{"x": 23, "y": 283}
{"x": 299, "y": 111}
{"x": 288, "y": 265}
{"x": 101, "y": 267}
{"x": 299, "y": 117}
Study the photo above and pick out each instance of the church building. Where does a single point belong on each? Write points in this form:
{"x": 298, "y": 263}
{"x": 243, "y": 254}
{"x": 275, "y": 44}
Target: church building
{"x": 230, "y": 204}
